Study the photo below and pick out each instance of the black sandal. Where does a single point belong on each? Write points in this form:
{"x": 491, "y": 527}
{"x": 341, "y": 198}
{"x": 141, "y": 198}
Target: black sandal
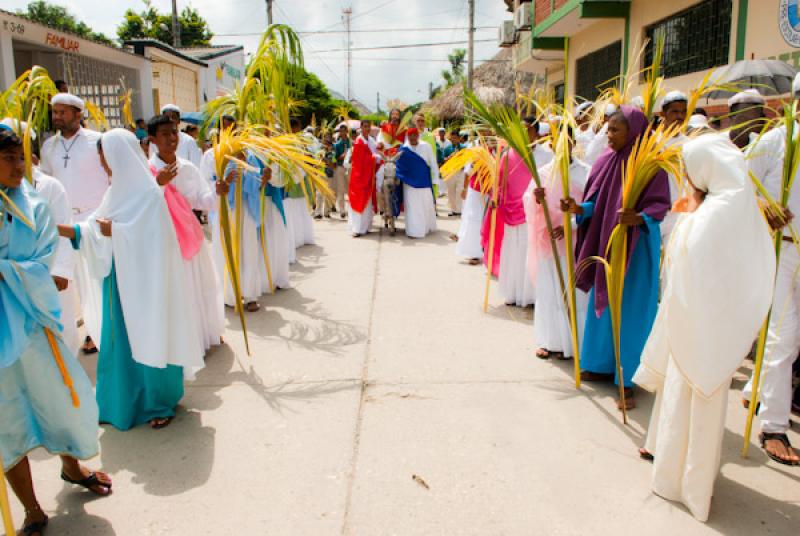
{"x": 89, "y": 482}
{"x": 89, "y": 351}
{"x": 783, "y": 438}
{"x": 37, "y": 527}
{"x": 646, "y": 455}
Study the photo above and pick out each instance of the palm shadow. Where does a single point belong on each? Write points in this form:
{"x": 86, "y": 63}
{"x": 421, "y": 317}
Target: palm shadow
{"x": 165, "y": 462}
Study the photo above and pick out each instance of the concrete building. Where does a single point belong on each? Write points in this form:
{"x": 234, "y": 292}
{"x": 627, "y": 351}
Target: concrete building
{"x": 94, "y": 71}
{"x": 599, "y": 39}
{"x": 224, "y": 68}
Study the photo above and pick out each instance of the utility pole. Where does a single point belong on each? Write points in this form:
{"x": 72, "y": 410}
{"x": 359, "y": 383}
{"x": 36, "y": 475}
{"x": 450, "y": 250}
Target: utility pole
{"x": 269, "y": 12}
{"x": 176, "y": 27}
{"x": 348, "y": 12}
{"x": 378, "y": 103}
{"x": 471, "y": 46}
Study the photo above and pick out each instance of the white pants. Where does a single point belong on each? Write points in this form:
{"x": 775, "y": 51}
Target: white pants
{"x": 324, "y": 205}
{"x": 515, "y": 283}
{"x": 455, "y": 185}
{"x": 341, "y": 179}
{"x": 783, "y": 345}
{"x": 420, "y": 211}
{"x": 469, "y": 233}
{"x": 685, "y": 436}
{"x": 360, "y": 222}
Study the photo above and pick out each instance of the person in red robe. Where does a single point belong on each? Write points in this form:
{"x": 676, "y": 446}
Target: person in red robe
{"x": 364, "y": 161}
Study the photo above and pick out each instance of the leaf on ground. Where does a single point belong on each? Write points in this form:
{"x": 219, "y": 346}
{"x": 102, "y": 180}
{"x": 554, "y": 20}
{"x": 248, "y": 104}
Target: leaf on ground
{"x": 419, "y": 480}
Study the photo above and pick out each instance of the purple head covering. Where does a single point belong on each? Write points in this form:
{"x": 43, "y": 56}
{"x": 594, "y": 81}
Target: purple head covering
{"x": 604, "y": 187}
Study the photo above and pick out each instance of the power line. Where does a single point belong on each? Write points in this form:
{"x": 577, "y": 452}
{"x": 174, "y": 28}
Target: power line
{"x": 410, "y": 60}
{"x": 415, "y": 45}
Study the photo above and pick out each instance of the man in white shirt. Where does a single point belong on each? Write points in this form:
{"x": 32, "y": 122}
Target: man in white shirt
{"x": 72, "y": 158}
{"x": 765, "y": 159}
{"x": 187, "y": 145}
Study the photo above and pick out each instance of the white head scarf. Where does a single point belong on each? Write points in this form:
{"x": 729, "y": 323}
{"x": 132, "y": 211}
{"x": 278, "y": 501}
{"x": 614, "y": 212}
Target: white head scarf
{"x": 721, "y": 266}
{"x": 162, "y": 327}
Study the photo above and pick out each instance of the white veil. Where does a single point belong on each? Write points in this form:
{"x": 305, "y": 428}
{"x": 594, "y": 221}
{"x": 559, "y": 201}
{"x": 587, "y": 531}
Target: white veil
{"x": 721, "y": 273}
{"x": 162, "y": 328}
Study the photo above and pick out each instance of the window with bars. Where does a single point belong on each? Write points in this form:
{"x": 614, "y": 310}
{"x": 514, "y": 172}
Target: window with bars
{"x": 597, "y": 71}
{"x": 696, "y": 39}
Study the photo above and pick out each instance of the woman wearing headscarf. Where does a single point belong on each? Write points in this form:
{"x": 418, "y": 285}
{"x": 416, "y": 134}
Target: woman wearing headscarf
{"x": 148, "y": 334}
{"x": 721, "y": 270}
{"x": 598, "y": 215}
{"x": 46, "y": 399}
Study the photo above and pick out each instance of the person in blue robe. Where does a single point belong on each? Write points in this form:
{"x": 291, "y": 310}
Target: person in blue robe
{"x": 46, "y": 399}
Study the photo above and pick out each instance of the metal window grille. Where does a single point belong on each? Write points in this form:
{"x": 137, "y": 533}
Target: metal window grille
{"x": 696, "y": 39}
{"x": 598, "y": 70}
{"x": 101, "y": 83}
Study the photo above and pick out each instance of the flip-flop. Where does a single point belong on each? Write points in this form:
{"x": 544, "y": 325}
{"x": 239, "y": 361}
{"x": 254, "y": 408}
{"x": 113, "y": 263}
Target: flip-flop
{"x": 646, "y": 455}
{"x": 543, "y": 353}
{"x": 89, "y": 482}
{"x": 783, "y": 438}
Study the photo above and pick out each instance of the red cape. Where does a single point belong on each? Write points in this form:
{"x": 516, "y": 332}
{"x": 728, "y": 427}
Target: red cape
{"x": 391, "y": 130}
{"x": 362, "y": 176}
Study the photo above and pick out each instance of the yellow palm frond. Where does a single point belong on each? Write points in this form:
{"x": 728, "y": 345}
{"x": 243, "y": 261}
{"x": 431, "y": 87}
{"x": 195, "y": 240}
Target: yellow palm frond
{"x": 96, "y": 116}
{"x": 127, "y": 108}
{"x": 484, "y": 166}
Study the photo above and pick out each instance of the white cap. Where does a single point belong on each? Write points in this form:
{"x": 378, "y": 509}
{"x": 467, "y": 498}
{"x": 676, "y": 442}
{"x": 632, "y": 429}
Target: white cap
{"x": 544, "y": 128}
{"x": 582, "y": 107}
{"x": 611, "y": 109}
{"x": 748, "y": 96}
{"x": 69, "y": 99}
{"x": 697, "y": 121}
{"x": 673, "y": 96}
{"x": 796, "y": 84}
{"x": 440, "y": 129}
{"x": 17, "y": 126}
{"x": 170, "y": 108}
{"x": 638, "y": 101}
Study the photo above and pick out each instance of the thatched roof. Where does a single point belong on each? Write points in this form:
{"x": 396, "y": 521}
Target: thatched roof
{"x": 493, "y": 81}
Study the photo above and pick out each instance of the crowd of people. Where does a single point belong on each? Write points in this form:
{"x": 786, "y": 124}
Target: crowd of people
{"x": 106, "y": 232}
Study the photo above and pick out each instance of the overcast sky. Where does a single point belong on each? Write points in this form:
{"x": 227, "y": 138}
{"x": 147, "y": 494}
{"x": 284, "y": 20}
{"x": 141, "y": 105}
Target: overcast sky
{"x": 395, "y": 73}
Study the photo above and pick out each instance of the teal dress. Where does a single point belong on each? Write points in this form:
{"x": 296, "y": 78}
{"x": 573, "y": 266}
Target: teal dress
{"x": 129, "y": 393}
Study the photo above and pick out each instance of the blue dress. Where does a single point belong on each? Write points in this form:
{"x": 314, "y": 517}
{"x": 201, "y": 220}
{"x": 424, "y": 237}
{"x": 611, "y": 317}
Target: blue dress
{"x": 639, "y": 308}
{"x": 129, "y": 393}
{"x": 36, "y": 406}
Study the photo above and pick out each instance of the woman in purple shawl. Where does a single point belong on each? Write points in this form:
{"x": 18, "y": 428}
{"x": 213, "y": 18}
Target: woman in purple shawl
{"x": 597, "y": 216}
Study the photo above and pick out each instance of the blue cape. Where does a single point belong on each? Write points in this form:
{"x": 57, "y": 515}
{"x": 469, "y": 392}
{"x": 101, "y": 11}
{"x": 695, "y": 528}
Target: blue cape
{"x": 413, "y": 170}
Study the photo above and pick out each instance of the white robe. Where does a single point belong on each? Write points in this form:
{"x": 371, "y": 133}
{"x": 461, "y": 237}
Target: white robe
{"x": 280, "y": 244}
{"x": 597, "y": 146}
{"x": 707, "y": 319}
{"x": 515, "y": 284}
{"x": 144, "y": 249}
{"x": 64, "y": 265}
{"x": 188, "y": 149}
{"x": 418, "y": 203}
{"x": 206, "y": 296}
{"x": 299, "y": 221}
{"x": 469, "y": 232}
{"x": 551, "y": 323}
{"x": 360, "y": 222}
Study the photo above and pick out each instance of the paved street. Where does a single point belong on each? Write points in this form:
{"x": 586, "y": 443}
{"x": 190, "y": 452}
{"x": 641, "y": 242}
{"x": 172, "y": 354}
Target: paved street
{"x": 381, "y": 400}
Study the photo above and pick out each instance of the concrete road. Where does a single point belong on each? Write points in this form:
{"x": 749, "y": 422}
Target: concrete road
{"x": 381, "y": 400}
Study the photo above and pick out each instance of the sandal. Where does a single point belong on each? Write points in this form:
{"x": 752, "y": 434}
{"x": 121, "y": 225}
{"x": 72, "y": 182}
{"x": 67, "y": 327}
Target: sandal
{"x": 543, "y": 353}
{"x": 783, "y": 438}
{"x": 87, "y": 349}
{"x": 630, "y": 400}
{"x": 252, "y": 307}
{"x": 160, "y": 423}
{"x": 646, "y": 455}
{"x": 89, "y": 482}
{"x": 37, "y": 527}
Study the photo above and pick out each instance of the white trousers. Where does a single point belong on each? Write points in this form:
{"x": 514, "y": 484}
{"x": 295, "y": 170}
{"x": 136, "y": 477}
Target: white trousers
{"x": 455, "y": 185}
{"x": 685, "y": 436}
{"x": 783, "y": 345}
{"x": 515, "y": 283}
{"x": 469, "y": 233}
{"x": 341, "y": 178}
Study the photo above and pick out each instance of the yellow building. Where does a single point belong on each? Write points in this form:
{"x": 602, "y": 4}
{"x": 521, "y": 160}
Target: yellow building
{"x": 601, "y": 39}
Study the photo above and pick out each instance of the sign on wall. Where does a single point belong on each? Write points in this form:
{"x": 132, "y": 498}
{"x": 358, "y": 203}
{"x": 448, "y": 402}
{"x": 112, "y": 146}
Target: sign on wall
{"x": 789, "y": 22}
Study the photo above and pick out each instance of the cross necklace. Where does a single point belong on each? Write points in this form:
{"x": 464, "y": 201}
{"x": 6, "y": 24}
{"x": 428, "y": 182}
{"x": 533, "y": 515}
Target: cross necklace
{"x": 68, "y": 149}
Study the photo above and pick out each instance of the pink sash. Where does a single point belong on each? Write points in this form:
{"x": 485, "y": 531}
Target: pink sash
{"x": 187, "y": 228}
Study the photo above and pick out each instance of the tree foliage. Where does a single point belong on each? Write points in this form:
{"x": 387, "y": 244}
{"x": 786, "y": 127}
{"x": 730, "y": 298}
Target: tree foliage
{"x": 60, "y": 18}
{"x": 317, "y": 101}
{"x": 149, "y": 23}
{"x": 455, "y": 75}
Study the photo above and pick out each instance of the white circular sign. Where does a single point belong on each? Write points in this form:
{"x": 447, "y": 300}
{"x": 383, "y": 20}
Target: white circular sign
{"x": 789, "y": 22}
